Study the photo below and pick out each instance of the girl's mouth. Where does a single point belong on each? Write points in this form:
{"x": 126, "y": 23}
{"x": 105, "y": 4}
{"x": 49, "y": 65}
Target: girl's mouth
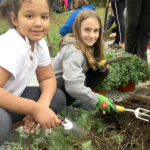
{"x": 37, "y": 32}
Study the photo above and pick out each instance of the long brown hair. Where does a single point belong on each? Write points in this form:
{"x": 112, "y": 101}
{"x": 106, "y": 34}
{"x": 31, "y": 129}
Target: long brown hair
{"x": 97, "y": 50}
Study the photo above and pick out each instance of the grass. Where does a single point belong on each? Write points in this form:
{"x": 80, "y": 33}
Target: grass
{"x": 4, "y": 26}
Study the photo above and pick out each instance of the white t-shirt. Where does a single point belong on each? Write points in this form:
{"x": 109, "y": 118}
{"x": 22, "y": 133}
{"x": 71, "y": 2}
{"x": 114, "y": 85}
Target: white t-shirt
{"x": 15, "y": 53}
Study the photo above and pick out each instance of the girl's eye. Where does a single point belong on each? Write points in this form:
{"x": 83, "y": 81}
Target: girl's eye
{"x": 87, "y": 29}
{"x": 29, "y": 16}
{"x": 45, "y": 17}
{"x": 96, "y": 30}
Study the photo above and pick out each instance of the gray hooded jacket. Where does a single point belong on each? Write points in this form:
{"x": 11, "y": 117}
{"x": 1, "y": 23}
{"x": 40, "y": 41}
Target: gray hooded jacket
{"x": 70, "y": 64}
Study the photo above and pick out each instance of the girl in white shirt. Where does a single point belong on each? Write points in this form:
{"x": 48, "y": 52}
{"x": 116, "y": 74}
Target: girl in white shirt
{"x": 23, "y": 52}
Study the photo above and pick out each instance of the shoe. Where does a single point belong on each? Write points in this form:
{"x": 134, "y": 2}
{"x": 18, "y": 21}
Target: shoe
{"x": 117, "y": 47}
{"x": 114, "y": 45}
{"x": 79, "y": 104}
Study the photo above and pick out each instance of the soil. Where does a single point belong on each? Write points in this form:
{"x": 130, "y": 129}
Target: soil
{"x": 124, "y": 131}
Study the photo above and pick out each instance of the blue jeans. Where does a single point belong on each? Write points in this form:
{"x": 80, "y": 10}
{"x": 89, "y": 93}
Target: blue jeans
{"x": 8, "y": 118}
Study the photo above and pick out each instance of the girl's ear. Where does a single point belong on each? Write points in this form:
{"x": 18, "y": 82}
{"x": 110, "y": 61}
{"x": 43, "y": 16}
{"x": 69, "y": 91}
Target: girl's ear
{"x": 13, "y": 18}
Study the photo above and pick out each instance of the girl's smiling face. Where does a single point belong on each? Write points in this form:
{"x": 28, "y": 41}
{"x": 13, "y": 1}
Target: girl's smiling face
{"x": 33, "y": 20}
{"x": 90, "y": 31}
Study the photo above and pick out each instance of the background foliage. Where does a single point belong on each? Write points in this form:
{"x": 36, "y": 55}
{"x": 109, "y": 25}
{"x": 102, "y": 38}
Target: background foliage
{"x": 98, "y": 3}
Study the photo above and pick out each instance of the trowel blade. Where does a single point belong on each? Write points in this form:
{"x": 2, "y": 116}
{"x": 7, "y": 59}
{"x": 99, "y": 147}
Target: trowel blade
{"x": 71, "y": 127}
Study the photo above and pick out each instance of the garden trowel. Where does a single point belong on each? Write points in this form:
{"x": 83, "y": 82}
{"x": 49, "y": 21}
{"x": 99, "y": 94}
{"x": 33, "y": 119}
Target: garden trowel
{"x": 72, "y": 128}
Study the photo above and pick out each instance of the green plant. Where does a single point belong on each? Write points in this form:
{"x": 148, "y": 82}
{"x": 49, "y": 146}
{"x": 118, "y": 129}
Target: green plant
{"x": 134, "y": 69}
{"x": 98, "y": 2}
{"x": 118, "y": 137}
{"x": 87, "y": 146}
{"x": 111, "y": 81}
{"x": 57, "y": 139}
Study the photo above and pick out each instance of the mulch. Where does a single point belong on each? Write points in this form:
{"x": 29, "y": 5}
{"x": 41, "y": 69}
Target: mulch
{"x": 124, "y": 131}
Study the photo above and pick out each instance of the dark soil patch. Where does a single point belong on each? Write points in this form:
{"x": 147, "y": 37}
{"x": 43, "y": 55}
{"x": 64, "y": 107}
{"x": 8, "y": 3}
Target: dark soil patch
{"x": 125, "y": 131}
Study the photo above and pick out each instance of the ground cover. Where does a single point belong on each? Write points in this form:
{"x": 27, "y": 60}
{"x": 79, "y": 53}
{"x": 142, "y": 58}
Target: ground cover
{"x": 108, "y": 131}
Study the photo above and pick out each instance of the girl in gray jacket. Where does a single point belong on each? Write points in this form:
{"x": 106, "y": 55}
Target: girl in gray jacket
{"x": 75, "y": 64}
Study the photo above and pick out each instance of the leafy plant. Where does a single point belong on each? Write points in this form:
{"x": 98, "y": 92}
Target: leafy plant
{"x": 98, "y": 2}
{"x": 132, "y": 70}
{"x": 57, "y": 139}
{"x": 87, "y": 146}
{"x": 111, "y": 80}
{"x": 118, "y": 137}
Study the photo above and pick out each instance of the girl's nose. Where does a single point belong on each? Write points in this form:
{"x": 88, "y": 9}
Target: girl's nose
{"x": 91, "y": 34}
{"x": 37, "y": 22}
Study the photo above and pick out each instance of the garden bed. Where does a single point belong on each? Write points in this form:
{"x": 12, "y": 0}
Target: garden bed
{"x": 125, "y": 131}
{"x": 105, "y": 132}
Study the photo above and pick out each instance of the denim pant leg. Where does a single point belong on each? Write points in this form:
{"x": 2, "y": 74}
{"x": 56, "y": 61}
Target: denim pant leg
{"x": 5, "y": 124}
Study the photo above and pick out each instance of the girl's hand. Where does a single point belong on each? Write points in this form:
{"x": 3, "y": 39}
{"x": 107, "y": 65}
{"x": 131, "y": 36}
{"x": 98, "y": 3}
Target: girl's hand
{"x": 45, "y": 116}
{"x": 29, "y": 124}
{"x": 101, "y": 65}
{"x": 105, "y": 104}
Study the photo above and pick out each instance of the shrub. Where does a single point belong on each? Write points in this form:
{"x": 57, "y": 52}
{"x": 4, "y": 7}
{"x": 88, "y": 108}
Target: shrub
{"x": 132, "y": 70}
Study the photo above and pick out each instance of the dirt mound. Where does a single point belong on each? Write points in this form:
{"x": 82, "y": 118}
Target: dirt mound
{"x": 124, "y": 131}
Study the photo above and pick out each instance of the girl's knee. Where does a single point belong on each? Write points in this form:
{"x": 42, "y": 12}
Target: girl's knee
{"x": 59, "y": 101}
{"x": 61, "y": 97}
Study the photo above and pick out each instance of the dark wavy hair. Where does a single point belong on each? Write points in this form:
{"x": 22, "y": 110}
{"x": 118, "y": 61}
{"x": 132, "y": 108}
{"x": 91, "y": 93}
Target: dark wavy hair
{"x": 13, "y": 6}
